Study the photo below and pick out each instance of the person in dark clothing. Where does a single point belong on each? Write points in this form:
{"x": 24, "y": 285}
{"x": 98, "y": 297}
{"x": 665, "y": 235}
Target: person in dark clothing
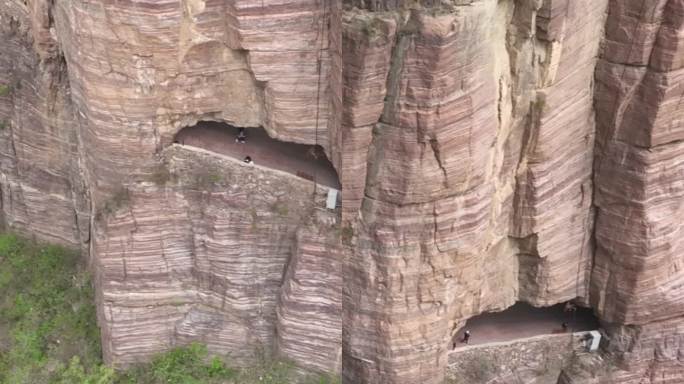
{"x": 564, "y": 326}
{"x": 241, "y": 137}
{"x": 570, "y": 307}
{"x": 248, "y": 160}
{"x": 466, "y": 337}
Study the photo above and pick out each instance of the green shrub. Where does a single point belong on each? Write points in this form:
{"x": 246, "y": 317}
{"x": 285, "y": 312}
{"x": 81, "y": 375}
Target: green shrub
{"x": 255, "y": 218}
{"x": 120, "y": 198}
{"x": 207, "y": 178}
{"x": 346, "y": 234}
{"x": 161, "y": 175}
{"x": 4, "y": 90}
{"x": 280, "y": 208}
{"x": 183, "y": 365}
{"x": 322, "y": 379}
{"x": 372, "y": 28}
{"x": 75, "y": 373}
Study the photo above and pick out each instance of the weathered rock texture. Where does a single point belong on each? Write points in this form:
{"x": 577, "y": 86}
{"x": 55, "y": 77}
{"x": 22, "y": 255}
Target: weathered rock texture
{"x": 490, "y": 151}
{"x": 478, "y": 194}
{"x": 636, "y": 283}
{"x": 310, "y": 310}
{"x": 186, "y": 246}
{"x": 638, "y": 273}
{"x": 201, "y": 256}
{"x": 42, "y": 189}
{"x": 534, "y": 360}
{"x": 470, "y": 127}
{"x": 634, "y": 354}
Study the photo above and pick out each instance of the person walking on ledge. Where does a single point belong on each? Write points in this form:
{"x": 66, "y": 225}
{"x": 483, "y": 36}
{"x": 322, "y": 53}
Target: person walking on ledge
{"x": 241, "y": 137}
{"x": 570, "y": 307}
{"x": 466, "y": 337}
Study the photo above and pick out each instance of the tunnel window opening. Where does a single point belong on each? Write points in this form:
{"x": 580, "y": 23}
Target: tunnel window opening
{"x": 522, "y": 321}
{"x": 305, "y": 161}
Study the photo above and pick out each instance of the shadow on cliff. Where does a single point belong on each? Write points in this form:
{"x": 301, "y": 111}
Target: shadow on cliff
{"x": 522, "y": 321}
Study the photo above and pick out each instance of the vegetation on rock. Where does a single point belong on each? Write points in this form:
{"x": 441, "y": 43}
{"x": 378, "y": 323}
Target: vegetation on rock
{"x": 120, "y": 198}
{"x": 4, "y": 90}
{"x": 48, "y": 331}
{"x": 47, "y": 314}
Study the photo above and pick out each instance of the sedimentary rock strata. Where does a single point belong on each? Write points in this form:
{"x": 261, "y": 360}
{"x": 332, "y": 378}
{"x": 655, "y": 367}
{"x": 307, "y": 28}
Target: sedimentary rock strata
{"x": 639, "y": 165}
{"x": 639, "y": 172}
{"x": 310, "y": 308}
{"x": 490, "y": 151}
{"x": 201, "y": 255}
{"x": 479, "y": 176}
{"x": 42, "y": 190}
{"x": 94, "y": 93}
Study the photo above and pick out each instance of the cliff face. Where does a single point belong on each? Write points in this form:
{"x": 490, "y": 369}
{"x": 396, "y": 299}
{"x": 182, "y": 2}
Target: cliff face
{"x": 636, "y": 282}
{"x": 479, "y": 169}
{"x": 185, "y": 245}
{"x": 43, "y": 192}
{"x": 490, "y": 151}
{"x": 475, "y": 123}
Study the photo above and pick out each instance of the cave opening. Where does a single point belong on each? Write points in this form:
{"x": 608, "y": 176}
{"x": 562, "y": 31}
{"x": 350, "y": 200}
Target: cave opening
{"x": 522, "y": 321}
{"x": 305, "y": 161}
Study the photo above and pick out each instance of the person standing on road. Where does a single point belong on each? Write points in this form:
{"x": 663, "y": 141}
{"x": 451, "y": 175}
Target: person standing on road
{"x": 466, "y": 336}
{"x": 241, "y": 137}
{"x": 570, "y": 307}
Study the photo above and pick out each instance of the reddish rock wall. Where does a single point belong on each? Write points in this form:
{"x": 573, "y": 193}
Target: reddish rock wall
{"x": 97, "y": 91}
{"x": 478, "y": 190}
{"x": 490, "y": 151}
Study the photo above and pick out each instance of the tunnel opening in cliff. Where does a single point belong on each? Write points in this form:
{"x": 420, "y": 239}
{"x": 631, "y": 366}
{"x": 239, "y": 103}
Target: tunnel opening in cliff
{"x": 522, "y": 320}
{"x": 305, "y": 161}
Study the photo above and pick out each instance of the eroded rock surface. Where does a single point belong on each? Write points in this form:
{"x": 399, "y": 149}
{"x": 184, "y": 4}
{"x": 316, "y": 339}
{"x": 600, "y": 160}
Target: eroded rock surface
{"x": 490, "y": 151}
{"x": 43, "y": 192}
{"x": 200, "y": 256}
{"x": 310, "y": 310}
{"x": 478, "y": 192}
{"x": 184, "y": 246}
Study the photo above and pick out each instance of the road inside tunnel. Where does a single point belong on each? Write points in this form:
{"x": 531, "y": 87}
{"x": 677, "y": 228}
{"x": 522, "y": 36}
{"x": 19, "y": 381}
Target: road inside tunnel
{"x": 522, "y": 321}
{"x": 306, "y": 161}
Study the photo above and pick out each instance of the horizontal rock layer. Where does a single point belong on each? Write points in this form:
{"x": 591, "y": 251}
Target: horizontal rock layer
{"x": 489, "y": 151}
{"x": 477, "y": 188}
{"x": 200, "y": 256}
{"x": 42, "y": 191}
{"x": 639, "y": 165}
{"x": 310, "y": 308}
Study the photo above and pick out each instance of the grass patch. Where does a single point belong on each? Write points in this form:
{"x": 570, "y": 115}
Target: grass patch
{"x": 280, "y": 208}
{"x": 255, "y": 218}
{"x": 206, "y": 179}
{"x": 47, "y": 316}
{"x": 161, "y": 175}
{"x": 346, "y": 234}
{"x": 539, "y": 104}
{"x": 4, "y": 90}
{"x": 187, "y": 365}
{"x": 48, "y": 331}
